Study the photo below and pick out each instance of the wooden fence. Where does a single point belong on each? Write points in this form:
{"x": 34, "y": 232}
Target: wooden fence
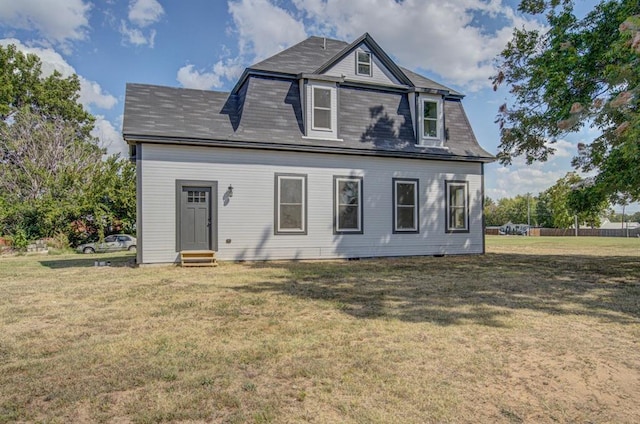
{"x": 582, "y": 232}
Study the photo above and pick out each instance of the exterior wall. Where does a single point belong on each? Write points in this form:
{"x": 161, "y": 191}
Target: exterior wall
{"x": 347, "y": 68}
{"x": 246, "y": 220}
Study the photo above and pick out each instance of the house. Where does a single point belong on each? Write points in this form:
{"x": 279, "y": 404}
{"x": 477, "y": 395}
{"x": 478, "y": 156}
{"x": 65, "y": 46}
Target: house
{"x": 327, "y": 149}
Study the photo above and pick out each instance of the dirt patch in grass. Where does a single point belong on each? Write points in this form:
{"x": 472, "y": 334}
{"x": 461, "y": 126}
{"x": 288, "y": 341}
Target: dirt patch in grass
{"x": 524, "y": 333}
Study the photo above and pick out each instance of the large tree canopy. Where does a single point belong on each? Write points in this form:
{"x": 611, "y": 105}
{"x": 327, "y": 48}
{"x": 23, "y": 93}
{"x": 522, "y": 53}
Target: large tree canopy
{"x": 23, "y": 87}
{"x": 583, "y": 71}
{"x": 53, "y": 179}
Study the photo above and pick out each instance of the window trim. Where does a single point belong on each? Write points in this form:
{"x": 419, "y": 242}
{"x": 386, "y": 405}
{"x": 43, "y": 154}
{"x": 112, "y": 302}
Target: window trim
{"x": 416, "y": 197}
{"x": 426, "y": 140}
{"x": 359, "y": 62}
{"x": 314, "y": 107}
{"x": 276, "y": 200}
{"x": 336, "y": 205}
{"x": 448, "y": 185}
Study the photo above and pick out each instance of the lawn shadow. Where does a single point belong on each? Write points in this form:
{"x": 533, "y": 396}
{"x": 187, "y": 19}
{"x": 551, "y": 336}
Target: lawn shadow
{"x": 85, "y": 261}
{"x": 483, "y": 289}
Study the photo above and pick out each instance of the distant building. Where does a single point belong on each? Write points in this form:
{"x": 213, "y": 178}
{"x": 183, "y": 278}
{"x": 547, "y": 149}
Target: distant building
{"x": 607, "y": 225}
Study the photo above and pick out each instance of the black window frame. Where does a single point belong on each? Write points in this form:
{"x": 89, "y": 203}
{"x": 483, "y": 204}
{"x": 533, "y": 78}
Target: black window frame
{"x": 416, "y": 216}
{"x": 336, "y": 205}
{"x": 448, "y": 207}
{"x": 276, "y": 200}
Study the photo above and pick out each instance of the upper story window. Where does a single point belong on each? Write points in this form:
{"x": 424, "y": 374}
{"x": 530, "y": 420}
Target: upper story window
{"x": 431, "y": 121}
{"x": 363, "y": 63}
{"x": 321, "y": 108}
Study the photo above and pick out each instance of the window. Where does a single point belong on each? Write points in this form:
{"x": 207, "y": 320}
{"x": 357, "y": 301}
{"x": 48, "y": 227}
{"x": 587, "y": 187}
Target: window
{"x": 321, "y": 108}
{"x": 347, "y": 205}
{"x": 457, "y": 206}
{"x": 363, "y": 63}
{"x": 431, "y": 126}
{"x": 196, "y": 196}
{"x": 290, "y": 204}
{"x": 405, "y": 205}
{"x": 430, "y": 119}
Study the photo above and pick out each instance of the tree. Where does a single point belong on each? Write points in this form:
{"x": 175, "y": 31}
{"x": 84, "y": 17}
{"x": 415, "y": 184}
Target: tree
{"x": 52, "y": 176}
{"x": 559, "y": 204}
{"x": 22, "y": 86}
{"x": 520, "y": 210}
{"x": 581, "y": 72}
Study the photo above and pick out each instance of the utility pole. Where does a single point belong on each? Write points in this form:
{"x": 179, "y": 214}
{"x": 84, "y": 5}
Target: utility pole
{"x": 528, "y": 214}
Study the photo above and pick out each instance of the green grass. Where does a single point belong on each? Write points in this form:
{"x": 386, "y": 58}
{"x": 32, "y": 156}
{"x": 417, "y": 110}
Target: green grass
{"x": 536, "y": 330}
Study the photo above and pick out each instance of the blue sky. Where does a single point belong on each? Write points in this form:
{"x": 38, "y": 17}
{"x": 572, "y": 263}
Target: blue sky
{"x": 206, "y": 44}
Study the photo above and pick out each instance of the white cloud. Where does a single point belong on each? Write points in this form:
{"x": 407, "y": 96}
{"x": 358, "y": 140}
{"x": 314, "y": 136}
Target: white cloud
{"x": 264, "y": 28}
{"x": 59, "y": 23}
{"x": 109, "y": 137}
{"x": 439, "y": 37}
{"x": 520, "y": 178}
{"x": 136, "y": 36}
{"x": 145, "y": 12}
{"x": 142, "y": 13}
{"x": 189, "y": 77}
{"x": 91, "y": 94}
{"x": 563, "y": 149}
{"x": 90, "y": 91}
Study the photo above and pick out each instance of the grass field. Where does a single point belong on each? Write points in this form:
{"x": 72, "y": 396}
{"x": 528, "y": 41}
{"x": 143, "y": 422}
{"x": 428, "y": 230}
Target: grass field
{"x": 536, "y": 330}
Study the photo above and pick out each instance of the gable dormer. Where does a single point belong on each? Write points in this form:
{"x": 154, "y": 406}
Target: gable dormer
{"x": 364, "y": 61}
{"x": 362, "y": 65}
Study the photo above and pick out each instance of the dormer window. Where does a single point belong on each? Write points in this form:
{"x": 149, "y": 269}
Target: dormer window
{"x": 321, "y": 108}
{"x": 431, "y": 121}
{"x": 363, "y": 63}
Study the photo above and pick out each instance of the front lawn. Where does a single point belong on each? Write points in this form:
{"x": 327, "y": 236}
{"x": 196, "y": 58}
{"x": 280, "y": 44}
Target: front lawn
{"x": 536, "y": 330}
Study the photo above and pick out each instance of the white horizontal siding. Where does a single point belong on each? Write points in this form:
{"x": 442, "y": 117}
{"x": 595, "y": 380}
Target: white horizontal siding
{"x": 247, "y": 218}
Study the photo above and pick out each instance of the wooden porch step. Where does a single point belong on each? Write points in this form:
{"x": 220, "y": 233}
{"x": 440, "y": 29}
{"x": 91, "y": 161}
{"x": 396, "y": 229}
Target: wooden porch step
{"x": 198, "y": 258}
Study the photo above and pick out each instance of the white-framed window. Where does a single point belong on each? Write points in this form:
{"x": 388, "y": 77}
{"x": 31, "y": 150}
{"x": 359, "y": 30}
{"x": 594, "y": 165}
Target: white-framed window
{"x": 363, "y": 63}
{"x": 405, "y": 205}
{"x": 347, "y": 205}
{"x": 457, "y": 218}
{"x": 321, "y": 114}
{"x": 290, "y": 204}
{"x": 431, "y": 121}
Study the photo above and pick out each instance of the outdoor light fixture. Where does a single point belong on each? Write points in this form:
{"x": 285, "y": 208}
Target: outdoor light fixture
{"x": 230, "y": 190}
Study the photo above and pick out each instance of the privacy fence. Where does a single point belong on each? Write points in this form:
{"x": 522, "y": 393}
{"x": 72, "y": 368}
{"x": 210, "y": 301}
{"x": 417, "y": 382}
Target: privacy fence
{"x": 582, "y": 232}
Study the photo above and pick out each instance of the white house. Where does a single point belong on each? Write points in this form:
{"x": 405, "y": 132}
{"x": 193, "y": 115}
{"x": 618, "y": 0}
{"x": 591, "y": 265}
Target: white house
{"x": 325, "y": 150}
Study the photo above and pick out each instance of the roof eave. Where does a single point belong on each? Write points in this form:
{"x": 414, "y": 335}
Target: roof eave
{"x": 133, "y": 139}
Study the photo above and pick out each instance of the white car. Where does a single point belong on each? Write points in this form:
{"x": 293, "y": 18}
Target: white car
{"x": 112, "y": 243}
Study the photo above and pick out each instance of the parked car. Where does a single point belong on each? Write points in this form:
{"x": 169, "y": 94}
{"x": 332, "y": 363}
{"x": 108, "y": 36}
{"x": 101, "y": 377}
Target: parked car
{"x": 112, "y": 243}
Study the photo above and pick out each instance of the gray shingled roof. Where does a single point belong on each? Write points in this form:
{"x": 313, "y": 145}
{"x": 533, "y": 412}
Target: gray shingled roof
{"x": 304, "y": 57}
{"x": 265, "y": 112}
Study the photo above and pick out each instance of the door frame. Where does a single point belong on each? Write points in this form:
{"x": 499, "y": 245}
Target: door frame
{"x": 213, "y": 209}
